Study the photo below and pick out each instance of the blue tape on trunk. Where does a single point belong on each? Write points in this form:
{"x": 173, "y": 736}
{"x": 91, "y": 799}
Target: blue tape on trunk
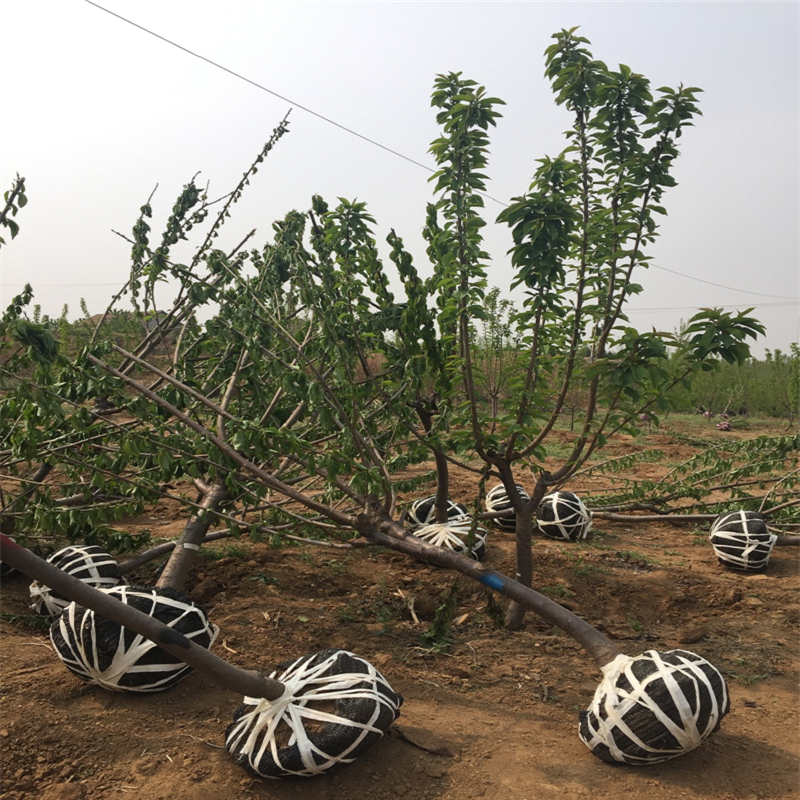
{"x": 492, "y": 581}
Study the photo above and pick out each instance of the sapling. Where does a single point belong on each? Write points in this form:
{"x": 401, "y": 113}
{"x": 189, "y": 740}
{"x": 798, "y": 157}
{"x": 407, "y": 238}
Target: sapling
{"x": 316, "y": 418}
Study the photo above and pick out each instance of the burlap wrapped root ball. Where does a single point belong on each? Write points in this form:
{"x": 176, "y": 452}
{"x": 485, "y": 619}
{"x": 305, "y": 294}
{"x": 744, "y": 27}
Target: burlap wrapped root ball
{"x": 742, "y": 540}
{"x": 497, "y": 500}
{"x": 102, "y": 652}
{"x": 562, "y": 515}
{"x": 455, "y": 535}
{"x": 87, "y": 563}
{"x": 335, "y": 707}
{"x": 653, "y": 707}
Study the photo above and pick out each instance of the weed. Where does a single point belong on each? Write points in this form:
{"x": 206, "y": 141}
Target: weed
{"x": 381, "y": 606}
{"x": 637, "y": 559}
{"x": 226, "y": 551}
{"x": 494, "y": 610}
{"x": 337, "y": 566}
{"x": 32, "y": 621}
{"x": 267, "y": 580}
{"x": 596, "y": 539}
{"x": 437, "y": 637}
{"x": 582, "y": 568}
{"x": 307, "y": 557}
{"x": 634, "y": 623}
{"x": 749, "y": 680}
{"x": 556, "y": 591}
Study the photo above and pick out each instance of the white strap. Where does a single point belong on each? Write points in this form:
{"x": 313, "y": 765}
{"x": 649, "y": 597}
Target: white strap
{"x": 606, "y": 719}
{"x": 253, "y": 734}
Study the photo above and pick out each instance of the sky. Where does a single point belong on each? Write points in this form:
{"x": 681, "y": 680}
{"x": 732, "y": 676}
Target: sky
{"x": 97, "y": 113}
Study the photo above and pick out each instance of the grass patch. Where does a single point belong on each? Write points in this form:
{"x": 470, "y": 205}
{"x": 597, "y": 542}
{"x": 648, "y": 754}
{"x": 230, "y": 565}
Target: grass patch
{"x": 33, "y": 622}
{"x": 226, "y": 551}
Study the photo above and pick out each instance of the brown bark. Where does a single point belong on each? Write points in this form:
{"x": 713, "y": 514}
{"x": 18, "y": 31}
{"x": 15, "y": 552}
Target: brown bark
{"x": 183, "y": 556}
{"x": 161, "y": 550}
{"x": 515, "y": 614}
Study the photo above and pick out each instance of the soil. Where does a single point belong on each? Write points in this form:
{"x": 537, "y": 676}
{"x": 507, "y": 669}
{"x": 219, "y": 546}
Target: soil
{"x": 500, "y": 707}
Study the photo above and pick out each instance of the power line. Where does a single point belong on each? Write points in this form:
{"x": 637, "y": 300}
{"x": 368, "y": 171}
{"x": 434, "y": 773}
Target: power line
{"x": 786, "y": 304}
{"x": 279, "y": 96}
{"x": 259, "y": 86}
{"x": 61, "y": 285}
{"x": 722, "y": 285}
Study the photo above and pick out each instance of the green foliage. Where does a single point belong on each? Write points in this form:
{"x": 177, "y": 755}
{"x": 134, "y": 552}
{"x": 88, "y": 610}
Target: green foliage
{"x": 768, "y": 387}
{"x": 322, "y": 373}
{"x": 15, "y": 199}
{"x": 437, "y": 637}
{"x": 745, "y": 474}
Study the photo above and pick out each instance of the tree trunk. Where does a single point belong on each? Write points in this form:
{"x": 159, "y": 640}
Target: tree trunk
{"x": 441, "y": 504}
{"x": 183, "y": 556}
{"x": 515, "y": 614}
{"x": 390, "y": 534}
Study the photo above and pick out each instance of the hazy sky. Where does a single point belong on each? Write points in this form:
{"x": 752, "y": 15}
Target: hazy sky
{"x": 97, "y": 112}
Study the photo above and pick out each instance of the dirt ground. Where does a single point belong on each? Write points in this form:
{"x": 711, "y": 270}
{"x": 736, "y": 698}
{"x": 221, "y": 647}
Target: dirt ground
{"x": 505, "y": 705}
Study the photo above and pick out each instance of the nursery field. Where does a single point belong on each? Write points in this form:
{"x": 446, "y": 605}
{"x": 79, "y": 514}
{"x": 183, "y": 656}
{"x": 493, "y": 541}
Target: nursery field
{"x": 494, "y": 714}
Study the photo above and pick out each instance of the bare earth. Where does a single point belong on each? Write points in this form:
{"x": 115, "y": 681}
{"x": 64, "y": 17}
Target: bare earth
{"x": 504, "y": 704}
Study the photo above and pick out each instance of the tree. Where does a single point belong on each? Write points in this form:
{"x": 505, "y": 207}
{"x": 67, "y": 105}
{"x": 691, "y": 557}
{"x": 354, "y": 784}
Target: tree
{"x": 313, "y": 386}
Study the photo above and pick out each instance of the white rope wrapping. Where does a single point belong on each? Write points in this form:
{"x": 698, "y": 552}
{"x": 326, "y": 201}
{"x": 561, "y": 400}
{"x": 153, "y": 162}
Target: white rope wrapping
{"x": 742, "y": 540}
{"x": 562, "y": 515}
{"x": 423, "y": 511}
{"x": 251, "y": 737}
{"x": 454, "y": 535}
{"x": 75, "y": 638}
{"x": 87, "y": 563}
{"x": 628, "y": 715}
{"x": 497, "y": 500}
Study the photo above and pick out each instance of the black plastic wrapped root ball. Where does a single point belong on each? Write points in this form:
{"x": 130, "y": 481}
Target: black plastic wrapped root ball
{"x": 423, "y": 511}
{"x": 497, "y": 500}
{"x": 454, "y": 535}
{"x": 87, "y": 563}
{"x": 742, "y": 540}
{"x": 102, "y": 652}
{"x": 562, "y": 515}
{"x": 335, "y": 707}
{"x": 654, "y": 707}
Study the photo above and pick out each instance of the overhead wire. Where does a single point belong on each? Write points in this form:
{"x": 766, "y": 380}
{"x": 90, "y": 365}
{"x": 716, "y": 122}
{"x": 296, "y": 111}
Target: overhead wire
{"x": 378, "y": 144}
{"x": 722, "y": 285}
{"x": 276, "y": 94}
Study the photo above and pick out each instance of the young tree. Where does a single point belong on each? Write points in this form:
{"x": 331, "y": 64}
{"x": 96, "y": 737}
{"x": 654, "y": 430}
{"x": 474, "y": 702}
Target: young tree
{"x": 313, "y": 386}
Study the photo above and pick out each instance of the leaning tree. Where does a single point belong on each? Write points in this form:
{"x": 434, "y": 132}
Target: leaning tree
{"x": 315, "y": 383}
